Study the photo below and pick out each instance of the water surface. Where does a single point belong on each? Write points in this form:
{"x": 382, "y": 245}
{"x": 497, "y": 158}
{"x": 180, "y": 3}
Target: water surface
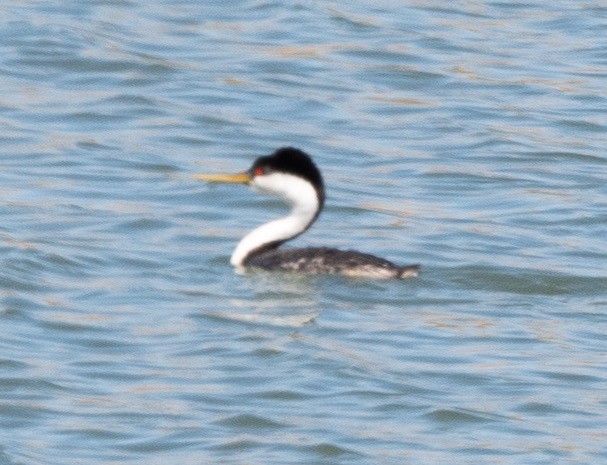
{"x": 467, "y": 137}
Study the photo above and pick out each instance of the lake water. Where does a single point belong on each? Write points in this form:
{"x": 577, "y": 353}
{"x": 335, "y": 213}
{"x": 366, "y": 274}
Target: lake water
{"x": 466, "y": 136}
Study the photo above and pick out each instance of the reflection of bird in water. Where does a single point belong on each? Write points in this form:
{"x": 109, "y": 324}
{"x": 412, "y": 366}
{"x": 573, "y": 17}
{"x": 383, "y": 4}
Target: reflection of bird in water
{"x": 291, "y": 174}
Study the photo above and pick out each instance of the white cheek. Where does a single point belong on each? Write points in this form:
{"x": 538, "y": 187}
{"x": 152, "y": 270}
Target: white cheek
{"x": 274, "y": 183}
{"x": 292, "y": 188}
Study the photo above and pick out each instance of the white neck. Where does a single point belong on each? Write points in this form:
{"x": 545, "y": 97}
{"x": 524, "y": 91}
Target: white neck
{"x": 297, "y": 192}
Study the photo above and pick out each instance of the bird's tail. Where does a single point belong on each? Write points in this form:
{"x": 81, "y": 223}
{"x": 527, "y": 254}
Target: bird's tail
{"x": 408, "y": 271}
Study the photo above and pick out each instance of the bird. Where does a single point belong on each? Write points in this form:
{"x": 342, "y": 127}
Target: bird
{"x": 290, "y": 174}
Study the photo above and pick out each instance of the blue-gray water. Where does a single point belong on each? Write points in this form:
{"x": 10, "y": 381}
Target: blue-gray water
{"x": 467, "y": 136}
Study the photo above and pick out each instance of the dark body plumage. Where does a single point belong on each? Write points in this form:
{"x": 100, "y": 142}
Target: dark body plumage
{"x": 325, "y": 260}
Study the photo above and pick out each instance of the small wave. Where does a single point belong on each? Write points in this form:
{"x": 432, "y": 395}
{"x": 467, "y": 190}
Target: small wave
{"x": 289, "y": 321}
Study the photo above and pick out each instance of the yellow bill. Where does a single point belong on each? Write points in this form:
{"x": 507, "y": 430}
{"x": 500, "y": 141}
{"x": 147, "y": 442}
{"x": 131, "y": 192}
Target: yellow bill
{"x": 237, "y": 178}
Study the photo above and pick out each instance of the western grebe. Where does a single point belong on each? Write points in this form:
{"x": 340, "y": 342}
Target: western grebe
{"x": 291, "y": 174}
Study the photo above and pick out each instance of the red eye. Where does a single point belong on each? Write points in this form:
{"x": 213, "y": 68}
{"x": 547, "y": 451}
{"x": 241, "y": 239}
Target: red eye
{"x": 258, "y": 171}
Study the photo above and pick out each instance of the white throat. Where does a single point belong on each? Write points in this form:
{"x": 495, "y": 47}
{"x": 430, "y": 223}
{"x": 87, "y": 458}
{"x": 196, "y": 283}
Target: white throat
{"x": 303, "y": 198}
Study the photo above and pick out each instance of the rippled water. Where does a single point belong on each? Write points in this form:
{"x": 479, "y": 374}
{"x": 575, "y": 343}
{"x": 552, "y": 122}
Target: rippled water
{"x": 467, "y": 136}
